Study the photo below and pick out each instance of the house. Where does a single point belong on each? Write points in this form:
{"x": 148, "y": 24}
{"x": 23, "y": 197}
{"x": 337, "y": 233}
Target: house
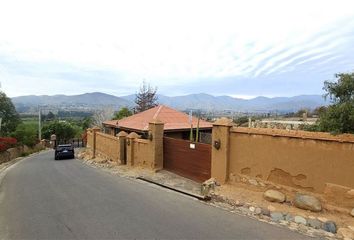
{"x": 176, "y": 124}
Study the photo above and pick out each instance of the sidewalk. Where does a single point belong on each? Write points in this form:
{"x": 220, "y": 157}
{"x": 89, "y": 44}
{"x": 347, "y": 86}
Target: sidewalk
{"x": 174, "y": 181}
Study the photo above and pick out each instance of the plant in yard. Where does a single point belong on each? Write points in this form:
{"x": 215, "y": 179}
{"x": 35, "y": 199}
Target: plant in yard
{"x": 197, "y": 133}
{"x": 191, "y": 137}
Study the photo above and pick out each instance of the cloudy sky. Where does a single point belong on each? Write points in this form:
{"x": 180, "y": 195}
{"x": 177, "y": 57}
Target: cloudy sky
{"x": 238, "y": 48}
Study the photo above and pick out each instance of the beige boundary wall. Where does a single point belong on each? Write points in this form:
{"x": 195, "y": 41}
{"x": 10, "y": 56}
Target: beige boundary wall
{"x": 303, "y": 160}
{"x": 108, "y": 146}
{"x": 306, "y": 161}
{"x": 89, "y": 138}
{"x": 129, "y": 149}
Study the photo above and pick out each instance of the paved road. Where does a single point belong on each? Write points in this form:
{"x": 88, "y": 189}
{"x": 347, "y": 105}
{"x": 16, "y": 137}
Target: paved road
{"x": 45, "y": 199}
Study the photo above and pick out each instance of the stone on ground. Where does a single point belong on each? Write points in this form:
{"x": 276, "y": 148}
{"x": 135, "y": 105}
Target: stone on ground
{"x": 322, "y": 219}
{"x": 289, "y": 217}
{"x": 314, "y": 223}
{"x": 307, "y": 202}
{"x": 277, "y": 216}
{"x": 274, "y": 196}
{"x": 258, "y": 211}
{"x": 253, "y": 182}
{"x": 265, "y": 212}
{"x": 300, "y": 220}
{"x": 271, "y": 208}
{"x": 330, "y": 226}
{"x": 345, "y": 233}
{"x": 352, "y": 212}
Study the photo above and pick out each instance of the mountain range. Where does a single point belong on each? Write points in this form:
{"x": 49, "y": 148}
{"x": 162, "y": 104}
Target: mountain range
{"x": 200, "y": 101}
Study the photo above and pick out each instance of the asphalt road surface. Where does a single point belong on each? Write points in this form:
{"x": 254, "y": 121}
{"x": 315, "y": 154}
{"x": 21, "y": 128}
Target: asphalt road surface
{"x": 45, "y": 199}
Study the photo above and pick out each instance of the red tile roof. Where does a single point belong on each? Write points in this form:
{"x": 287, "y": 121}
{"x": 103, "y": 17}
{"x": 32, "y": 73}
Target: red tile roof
{"x": 173, "y": 120}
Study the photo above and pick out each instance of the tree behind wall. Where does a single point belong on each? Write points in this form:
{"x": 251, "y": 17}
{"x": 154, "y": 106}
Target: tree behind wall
{"x": 63, "y": 130}
{"x": 102, "y": 115}
{"x": 146, "y": 98}
{"x": 339, "y": 116}
{"x": 9, "y": 117}
{"x": 123, "y": 113}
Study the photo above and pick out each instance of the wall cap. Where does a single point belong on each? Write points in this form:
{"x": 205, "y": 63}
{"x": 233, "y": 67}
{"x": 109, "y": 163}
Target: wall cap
{"x": 133, "y": 135}
{"x": 223, "y": 122}
{"x": 122, "y": 134}
{"x": 156, "y": 122}
{"x": 323, "y": 136}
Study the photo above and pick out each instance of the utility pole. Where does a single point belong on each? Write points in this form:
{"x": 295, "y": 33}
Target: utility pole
{"x": 39, "y": 125}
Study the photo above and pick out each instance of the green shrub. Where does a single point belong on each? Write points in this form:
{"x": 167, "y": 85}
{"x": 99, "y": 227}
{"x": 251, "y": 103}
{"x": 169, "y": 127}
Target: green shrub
{"x": 26, "y": 134}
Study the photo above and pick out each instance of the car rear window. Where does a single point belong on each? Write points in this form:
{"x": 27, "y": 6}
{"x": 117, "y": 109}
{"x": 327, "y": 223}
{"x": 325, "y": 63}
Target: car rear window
{"x": 62, "y": 147}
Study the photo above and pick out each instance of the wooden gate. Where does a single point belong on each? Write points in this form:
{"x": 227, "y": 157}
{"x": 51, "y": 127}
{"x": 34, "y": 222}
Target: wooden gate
{"x": 190, "y": 161}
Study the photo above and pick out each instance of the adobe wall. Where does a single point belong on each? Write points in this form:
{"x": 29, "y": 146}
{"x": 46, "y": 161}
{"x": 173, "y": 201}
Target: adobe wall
{"x": 89, "y": 139}
{"x": 129, "y": 148}
{"x": 107, "y": 146}
{"x": 142, "y": 153}
{"x": 304, "y": 160}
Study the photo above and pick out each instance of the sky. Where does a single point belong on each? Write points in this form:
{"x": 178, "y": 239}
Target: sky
{"x": 236, "y": 48}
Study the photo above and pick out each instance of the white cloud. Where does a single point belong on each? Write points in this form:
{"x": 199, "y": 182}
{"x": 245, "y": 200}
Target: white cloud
{"x": 182, "y": 40}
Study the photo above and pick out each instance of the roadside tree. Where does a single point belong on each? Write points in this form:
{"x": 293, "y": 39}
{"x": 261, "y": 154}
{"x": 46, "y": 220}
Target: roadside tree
{"x": 9, "y": 118}
{"x": 26, "y": 134}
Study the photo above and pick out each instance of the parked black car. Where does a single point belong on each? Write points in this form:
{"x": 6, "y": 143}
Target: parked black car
{"x": 64, "y": 151}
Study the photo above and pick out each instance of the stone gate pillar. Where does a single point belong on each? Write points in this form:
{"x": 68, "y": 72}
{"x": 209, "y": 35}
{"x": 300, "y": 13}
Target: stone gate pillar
{"x": 130, "y": 148}
{"x": 95, "y": 130}
{"x": 220, "y": 149}
{"x": 122, "y": 147}
{"x": 156, "y": 137}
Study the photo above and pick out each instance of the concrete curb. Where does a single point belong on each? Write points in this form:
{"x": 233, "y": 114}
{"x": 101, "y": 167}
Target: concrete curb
{"x": 199, "y": 197}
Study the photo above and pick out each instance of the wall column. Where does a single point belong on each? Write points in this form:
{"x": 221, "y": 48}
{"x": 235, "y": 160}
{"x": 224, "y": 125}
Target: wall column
{"x": 94, "y": 131}
{"x": 122, "y": 146}
{"x": 130, "y": 148}
{"x": 220, "y": 149}
{"x": 156, "y": 138}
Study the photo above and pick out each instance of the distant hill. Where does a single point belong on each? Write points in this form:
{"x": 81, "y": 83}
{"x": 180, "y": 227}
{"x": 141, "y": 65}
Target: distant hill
{"x": 258, "y": 104}
{"x": 93, "y": 100}
{"x": 192, "y": 101}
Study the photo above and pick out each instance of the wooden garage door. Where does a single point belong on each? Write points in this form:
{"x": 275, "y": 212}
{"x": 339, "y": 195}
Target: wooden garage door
{"x": 181, "y": 159}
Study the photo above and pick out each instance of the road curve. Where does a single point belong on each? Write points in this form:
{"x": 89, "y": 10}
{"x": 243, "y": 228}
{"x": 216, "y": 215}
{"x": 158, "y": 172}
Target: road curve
{"x": 45, "y": 199}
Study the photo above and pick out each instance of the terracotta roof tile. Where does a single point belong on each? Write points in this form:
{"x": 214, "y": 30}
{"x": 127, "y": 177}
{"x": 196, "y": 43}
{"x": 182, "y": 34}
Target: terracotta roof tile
{"x": 173, "y": 120}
